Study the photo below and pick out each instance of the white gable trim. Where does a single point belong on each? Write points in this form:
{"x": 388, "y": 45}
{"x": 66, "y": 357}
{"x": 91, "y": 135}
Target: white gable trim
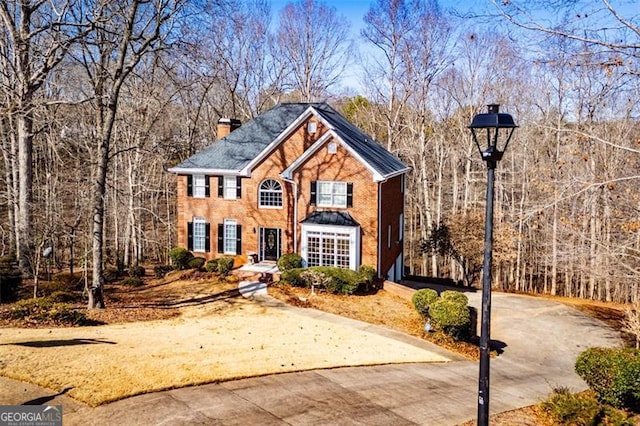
{"x": 287, "y": 173}
{"x": 246, "y": 171}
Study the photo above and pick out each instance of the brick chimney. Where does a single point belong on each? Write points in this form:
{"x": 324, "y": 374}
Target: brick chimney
{"x": 226, "y": 126}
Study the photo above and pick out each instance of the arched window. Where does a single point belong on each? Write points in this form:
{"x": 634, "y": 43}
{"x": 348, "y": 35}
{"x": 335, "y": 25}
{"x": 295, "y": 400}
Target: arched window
{"x": 270, "y": 194}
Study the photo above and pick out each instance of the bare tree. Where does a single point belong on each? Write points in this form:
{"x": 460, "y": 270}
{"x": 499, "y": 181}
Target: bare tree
{"x": 123, "y": 33}
{"x": 312, "y": 40}
{"x": 35, "y": 38}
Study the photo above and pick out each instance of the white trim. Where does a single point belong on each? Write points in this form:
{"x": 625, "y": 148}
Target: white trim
{"x": 204, "y": 171}
{"x": 200, "y": 221}
{"x": 231, "y": 223}
{"x": 354, "y": 240}
{"x": 195, "y": 188}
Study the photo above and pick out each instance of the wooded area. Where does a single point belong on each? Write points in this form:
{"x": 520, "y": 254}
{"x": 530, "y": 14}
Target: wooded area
{"x": 100, "y": 98}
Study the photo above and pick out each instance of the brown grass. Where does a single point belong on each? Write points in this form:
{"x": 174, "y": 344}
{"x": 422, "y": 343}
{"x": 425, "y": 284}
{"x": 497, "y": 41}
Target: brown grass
{"x": 218, "y": 336}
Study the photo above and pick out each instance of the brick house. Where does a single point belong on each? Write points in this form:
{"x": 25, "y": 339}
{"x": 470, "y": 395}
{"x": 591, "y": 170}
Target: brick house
{"x": 298, "y": 178}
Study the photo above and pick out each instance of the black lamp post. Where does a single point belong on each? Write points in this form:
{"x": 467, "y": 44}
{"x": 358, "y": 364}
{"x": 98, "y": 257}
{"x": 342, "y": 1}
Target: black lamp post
{"x": 492, "y": 122}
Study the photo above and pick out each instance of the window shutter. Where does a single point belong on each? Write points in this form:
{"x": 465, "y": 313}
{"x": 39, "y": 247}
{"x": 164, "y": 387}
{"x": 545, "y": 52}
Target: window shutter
{"x": 189, "y": 185}
{"x": 313, "y": 193}
{"x": 238, "y": 187}
{"x": 220, "y": 238}
{"x": 238, "y": 239}
{"x": 207, "y": 191}
{"x": 349, "y": 195}
{"x": 207, "y": 237}
{"x": 220, "y": 187}
{"x": 189, "y": 236}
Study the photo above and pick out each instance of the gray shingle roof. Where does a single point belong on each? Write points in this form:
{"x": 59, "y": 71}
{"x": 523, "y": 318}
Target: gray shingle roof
{"x": 235, "y": 151}
{"x": 338, "y": 218}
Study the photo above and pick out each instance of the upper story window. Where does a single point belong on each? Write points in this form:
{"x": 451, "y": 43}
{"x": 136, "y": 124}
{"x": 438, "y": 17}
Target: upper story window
{"x": 229, "y": 187}
{"x": 198, "y": 186}
{"x": 332, "y": 194}
{"x": 270, "y": 194}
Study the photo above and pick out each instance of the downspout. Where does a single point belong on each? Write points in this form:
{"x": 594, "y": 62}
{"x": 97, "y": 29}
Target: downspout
{"x": 379, "y": 228}
{"x": 404, "y": 221}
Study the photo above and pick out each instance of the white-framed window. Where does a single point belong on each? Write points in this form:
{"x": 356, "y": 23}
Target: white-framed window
{"x": 332, "y": 148}
{"x": 331, "y": 194}
{"x": 270, "y": 194}
{"x": 230, "y": 236}
{"x": 331, "y": 246}
{"x": 230, "y": 190}
{"x": 199, "y": 233}
{"x": 199, "y": 186}
{"x": 312, "y": 127}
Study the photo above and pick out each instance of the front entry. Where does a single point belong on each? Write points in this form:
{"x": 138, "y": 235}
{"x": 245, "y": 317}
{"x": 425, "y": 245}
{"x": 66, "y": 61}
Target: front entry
{"x": 270, "y": 243}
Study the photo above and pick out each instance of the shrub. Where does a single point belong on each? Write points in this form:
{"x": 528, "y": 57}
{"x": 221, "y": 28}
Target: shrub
{"x": 137, "y": 271}
{"x": 451, "y": 317}
{"x": 225, "y": 265}
{"x": 292, "y": 276}
{"x": 315, "y": 279}
{"x": 161, "y": 270}
{"x": 368, "y": 277}
{"x": 289, "y": 261}
{"x": 211, "y": 265}
{"x": 566, "y": 408}
{"x": 196, "y": 263}
{"x": 133, "y": 282}
{"x": 180, "y": 257}
{"x": 455, "y": 296}
{"x": 343, "y": 281}
{"x": 46, "y": 310}
{"x": 422, "y": 299}
{"x": 10, "y": 279}
{"x": 613, "y": 374}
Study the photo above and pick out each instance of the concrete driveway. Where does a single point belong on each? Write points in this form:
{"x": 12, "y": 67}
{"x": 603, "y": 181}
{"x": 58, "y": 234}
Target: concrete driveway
{"x": 541, "y": 341}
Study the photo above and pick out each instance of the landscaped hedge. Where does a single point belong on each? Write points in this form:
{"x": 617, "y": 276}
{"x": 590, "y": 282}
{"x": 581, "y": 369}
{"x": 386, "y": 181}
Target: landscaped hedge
{"x": 452, "y": 317}
{"x": 161, "y": 270}
{"x": 455, "y": 296}
{"x": 196, "y": 263}
{"x": 180, "y": 257}
{"x": 225, "y": 265}
{"x": 344, "y": 281}
{"x": 564, "y": 407}
{"x": 422, "y": 299}
{"x": 137, "y": 271}
{"x": 133, "y": 282}
{"x": 368, "y": 276}
{"x": 289, "y": 261}
{"x": 613, "y": 374}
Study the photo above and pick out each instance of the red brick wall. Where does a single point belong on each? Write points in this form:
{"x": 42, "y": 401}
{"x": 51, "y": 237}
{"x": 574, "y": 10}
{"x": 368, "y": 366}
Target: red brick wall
{"x": 393, "y": 206}
{"x": 341, "y": 166}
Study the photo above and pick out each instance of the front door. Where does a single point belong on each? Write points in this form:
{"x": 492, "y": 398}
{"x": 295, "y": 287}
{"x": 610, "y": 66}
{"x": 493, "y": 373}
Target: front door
{"x": 270, "y": 243}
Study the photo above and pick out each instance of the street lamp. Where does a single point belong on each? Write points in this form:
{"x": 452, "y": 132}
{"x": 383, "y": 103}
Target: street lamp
{"x": 492, "y": 124}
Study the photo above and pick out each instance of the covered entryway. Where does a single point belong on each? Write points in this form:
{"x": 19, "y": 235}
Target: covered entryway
{"x": 270, "y": 243}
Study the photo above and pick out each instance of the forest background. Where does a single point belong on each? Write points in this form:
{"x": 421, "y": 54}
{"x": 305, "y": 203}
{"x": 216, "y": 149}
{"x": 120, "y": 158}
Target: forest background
{"x": 99, "y": 98}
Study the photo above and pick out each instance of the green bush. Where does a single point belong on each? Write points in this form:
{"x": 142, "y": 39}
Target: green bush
{"x": 137, "y": 271}
{"x": 211, "y": 265}
{"x": 452, "y": 317}
{"x": 45, "y": 310}
{"x": 225, "y": 265}
{"x": 161, "y": 270}
{"x": 455, "y": 296}
{"x": 289, "y": 261}
{"x": 196, "y": 263}
{"x": 343, "y": 281}
{"x": 368, "y": 277}
{"x": 422, "y": 299}
{"x": 10, "y": 279}
{"x": 613, "y": 374}
{"x": 180, "y": 257}
{"x": 566, "y": 408}
{"x": 292, "y": 277}
{"x": 133, "y": 282}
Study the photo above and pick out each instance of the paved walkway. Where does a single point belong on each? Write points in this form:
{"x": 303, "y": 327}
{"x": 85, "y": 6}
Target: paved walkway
{"x": 541, "y": 340}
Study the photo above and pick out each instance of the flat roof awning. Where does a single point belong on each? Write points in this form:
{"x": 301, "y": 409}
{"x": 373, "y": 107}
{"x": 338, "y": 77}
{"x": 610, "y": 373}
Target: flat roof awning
{"x": 330, "y": 218}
